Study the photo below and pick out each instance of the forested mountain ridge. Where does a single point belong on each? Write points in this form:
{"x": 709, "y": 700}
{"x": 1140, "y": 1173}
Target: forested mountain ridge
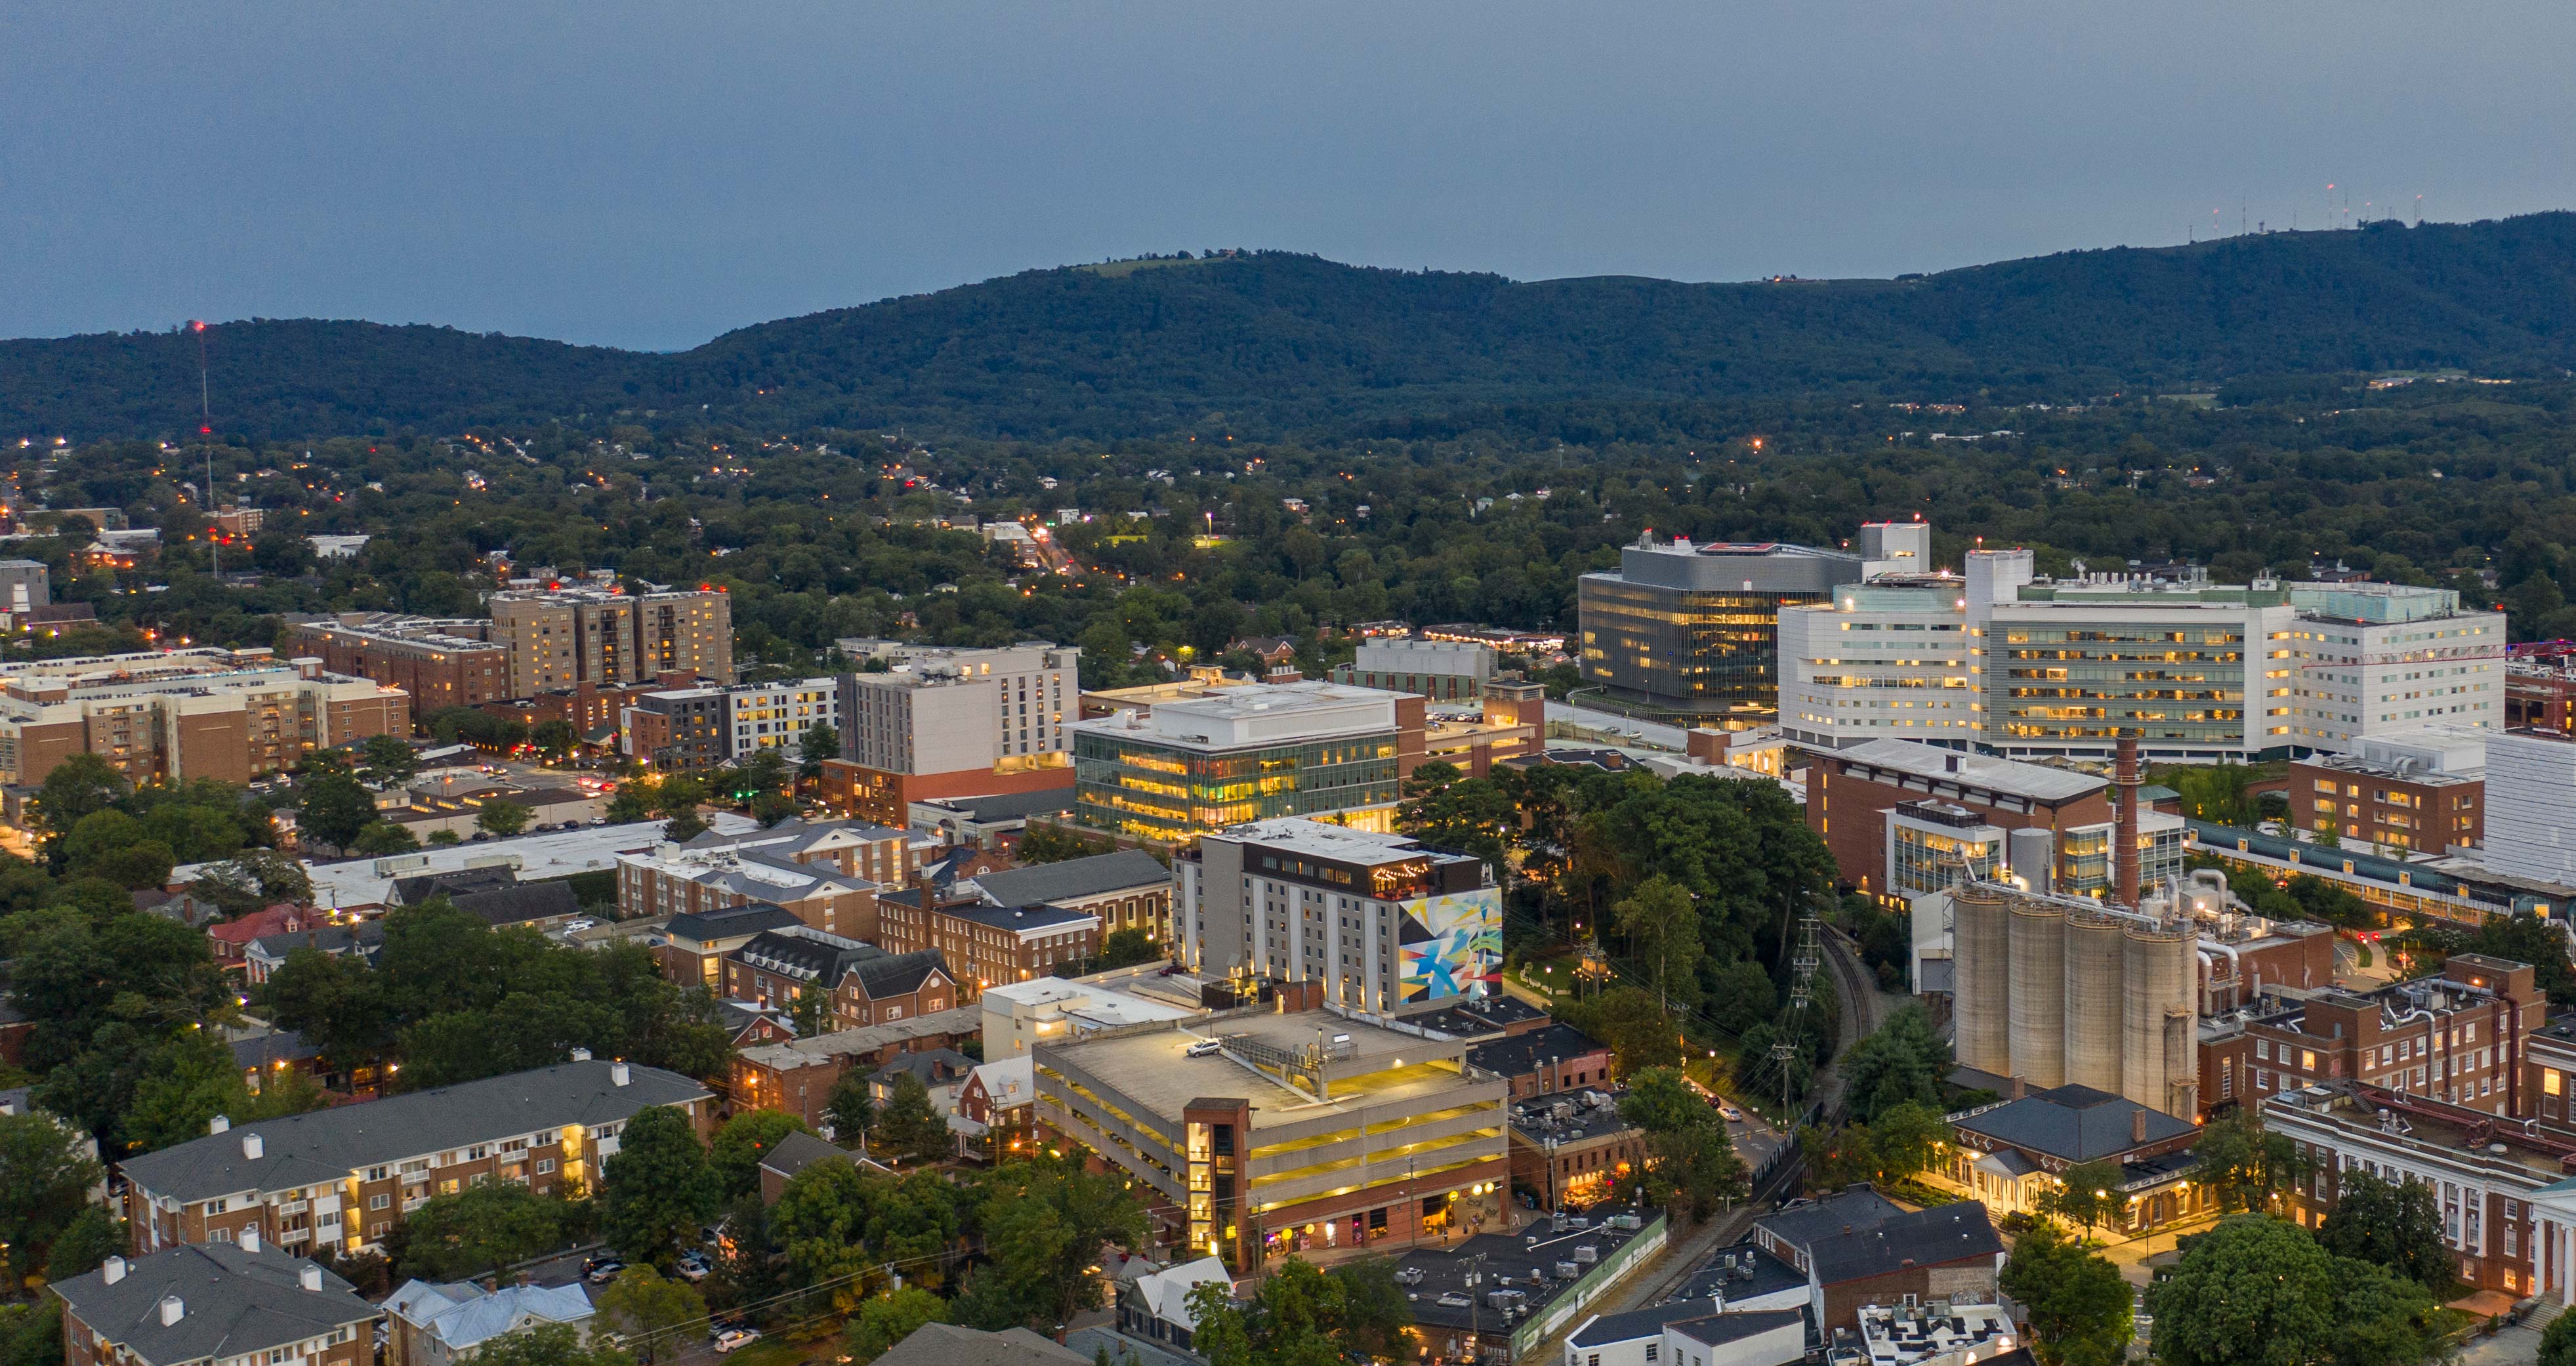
{"x": 1271, "y": 342}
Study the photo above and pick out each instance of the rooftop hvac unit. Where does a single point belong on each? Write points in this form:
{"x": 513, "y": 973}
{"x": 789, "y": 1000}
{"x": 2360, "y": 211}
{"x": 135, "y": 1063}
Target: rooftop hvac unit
{"x": 1567, "y": 1270}
{"x": 1587, "y": 1253}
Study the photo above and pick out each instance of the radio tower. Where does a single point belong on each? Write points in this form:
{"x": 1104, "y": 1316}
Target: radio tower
{"x": 205, "y": 391}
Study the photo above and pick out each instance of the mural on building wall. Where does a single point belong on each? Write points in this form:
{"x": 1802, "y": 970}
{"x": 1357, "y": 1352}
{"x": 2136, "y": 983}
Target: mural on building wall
{"x": 1452, "y": 945}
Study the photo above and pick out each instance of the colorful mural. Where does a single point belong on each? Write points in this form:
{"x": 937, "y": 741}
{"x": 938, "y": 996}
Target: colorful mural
{"x": 1452, "y": 945}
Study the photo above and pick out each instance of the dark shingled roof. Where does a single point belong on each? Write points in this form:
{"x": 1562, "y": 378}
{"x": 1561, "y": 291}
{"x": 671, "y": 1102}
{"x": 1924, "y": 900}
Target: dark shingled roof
{"x": 411, "y": 891}
{"x": 1854, "y": 1209}
{"x": 1717, "y": 1330}
{"x": 798, "y": 1151}
{"x": 231, "y": 1303}
{"x": 1074, "y": 879}
{"x": 1520, "y": 1054}
{"x": 701, "y": 927}
{"x": 324, "y": 1146}
{"x": 898, "y": 974}
{"x": 800, "y": 953}
{"x": 521, "y": 903}
{"x": 1643, "y": 1323}
{"x": 1945, "y": 1233}
{"x": 2073, "y": 1124}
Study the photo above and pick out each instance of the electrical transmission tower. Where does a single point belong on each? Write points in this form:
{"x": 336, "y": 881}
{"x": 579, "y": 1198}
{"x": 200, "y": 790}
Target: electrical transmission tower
{"x": 1802, "y": 993}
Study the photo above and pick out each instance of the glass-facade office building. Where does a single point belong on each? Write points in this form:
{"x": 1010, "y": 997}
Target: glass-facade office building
{"x": 2194, "y": 671}
{"x": 1247, "y": 754}
{"x": 1694, "y": 630}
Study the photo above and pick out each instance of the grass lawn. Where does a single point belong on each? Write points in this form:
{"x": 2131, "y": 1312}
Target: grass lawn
{"x": 1552, "y": 976}
{"x": 781, "y": 1352}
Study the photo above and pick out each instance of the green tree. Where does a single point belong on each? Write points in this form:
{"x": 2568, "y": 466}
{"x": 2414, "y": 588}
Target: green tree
{"x": 656, "y": 1188}
{"x": 45, "y": 1180}
{"x": 1128, "y": 947}
{"x": 850, "y": 1107}
{"x": 81, "y": 785}
{"x": 554, "y": 738}
{"x": 2085, "y": 1194}
{"x": 1690, "y": 1164}
{"x": 2558, "y": 1342}
{"x": 2243, "y": 1164}
{"x": 884, "y": 1320}
{"x": 252, "y": 879}
{"x": 93, "y": 1236}
{"x": 2078, "y": 1304}
{"x": 734, "y": 1158}
{"x": 1905, "y": 1140}
{"x": 386, "y": 759}
{"x": 1662, "y": 929}
{"x": 836, "y": 1223}
{"x": 548, "y": 1344}
{"x": 501, "y": 817}
{"x": 32, "y": 1334}
{"x": 382, "y": 838}
{"x": 479, "y": 1229}
{"x": 1902, "y": 1062}
{"x": 2386, "y": 1319}
{"x": 1299, "y": 1317}
{"x": 685, "y": 825}
{"x": 2396, "y": 1225}
{"x": 650, "y": 1312}
{"x": 1044, "y": 1223}
{"x": 819, "y": 743}
{"x": 909, "y": 1125}
{"x": 335, "y": 808}
{"x": 1638, "y": 1031}
{"x": 2253, "y": 1291}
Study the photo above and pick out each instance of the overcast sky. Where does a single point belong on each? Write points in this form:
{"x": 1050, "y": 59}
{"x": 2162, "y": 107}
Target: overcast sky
{"x": 652, "y": 174}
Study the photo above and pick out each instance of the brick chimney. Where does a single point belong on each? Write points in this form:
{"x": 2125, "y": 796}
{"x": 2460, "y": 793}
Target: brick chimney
{"x": 2138, "y": 1125}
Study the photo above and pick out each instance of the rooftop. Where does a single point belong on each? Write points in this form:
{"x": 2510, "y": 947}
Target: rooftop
{"x": 2040, "y": 781}
{"x": 845, "y": 1043}
{"x": 324, "y": 1146}
{"x": 1518, "y": 1274}
{"x": 1740, "y": 1274}
{"x": 1341, "y": 843}
{"x": 1945, "y": 1233}
{"x": 2072, "y": 1123}
{"x": 1073, "y": 879}
{"x": 1568, "y": 1117}
{"x": 1367, "y": 1065}
{"x": 230, "y": 1302}
{"x": 593, "y": 849}
{"x": 1856, "y": 1208}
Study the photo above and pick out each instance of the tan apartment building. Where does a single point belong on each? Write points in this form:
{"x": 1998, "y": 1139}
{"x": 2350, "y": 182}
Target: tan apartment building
{"x": 204, "y": 713}
{"x": 559, "y": 637}
{"x": 339, "y": 1179}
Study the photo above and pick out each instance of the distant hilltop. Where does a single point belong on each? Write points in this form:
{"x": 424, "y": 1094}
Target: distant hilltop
{"x": 1263, "y": 342}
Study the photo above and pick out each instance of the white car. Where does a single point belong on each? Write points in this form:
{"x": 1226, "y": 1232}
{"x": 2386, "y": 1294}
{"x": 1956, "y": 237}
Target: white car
{"x": 734, "y": 1339}
{"x": 1204, "y": 1048}
{"x": 571, "y": 926}
{"x": 1729, "y": 1113}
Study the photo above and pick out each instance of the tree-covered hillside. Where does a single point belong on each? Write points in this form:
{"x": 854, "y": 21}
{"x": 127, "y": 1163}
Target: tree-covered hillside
{"x": 1268, "y": 343}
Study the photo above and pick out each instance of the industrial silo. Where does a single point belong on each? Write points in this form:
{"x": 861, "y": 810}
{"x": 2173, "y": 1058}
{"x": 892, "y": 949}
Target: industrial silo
{"x": 2161, "y": 982}
{"x": 1980, "y": 950}
{"x": 2097, "y": 978}
{"x": 2038, "y": 1010}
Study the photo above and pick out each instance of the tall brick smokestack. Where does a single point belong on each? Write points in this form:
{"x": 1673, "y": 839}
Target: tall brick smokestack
{"x": 2124, "y": 828}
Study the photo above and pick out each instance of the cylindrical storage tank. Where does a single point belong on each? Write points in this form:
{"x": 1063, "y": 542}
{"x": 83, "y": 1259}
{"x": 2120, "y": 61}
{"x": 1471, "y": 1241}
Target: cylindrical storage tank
{"x": 2160, "y": 983}
{"x": 2097, "y": 976}
{"x": 1980, "y": 948}
{"x": 2038, "y": 991}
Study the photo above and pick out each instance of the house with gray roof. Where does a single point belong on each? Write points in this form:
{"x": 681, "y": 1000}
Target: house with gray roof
{"x": 435, "y": 1325}
{"x": 223, "y": 1302}
{"x": 2008, "y": 1153}
{"x": 268, "y": 953}
{"x": 344, "y": 1175}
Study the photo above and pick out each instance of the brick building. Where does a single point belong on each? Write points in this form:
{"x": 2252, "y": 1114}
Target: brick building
{"x": 1544, "y": 1061}
{"x": 223, "y": 1303}
{"x": 1569, "y": 1149}
{"x": 1128, "y": 890}
{"x": 558, "y": 637}
{"x": 692, "y": 946}
{"x": 203, "y": 713}
{"x": 828, "y": 873}
{"x": 440, "y": 663}
{"x": 986, "y": 943}
{"x": 2401, "y": 808}
{"x": 339, "y": 1178}
{"x": 1851, "y": 792}
{"x": 1859, "y": 1248}
{"x": 2458, "y": 1038}
{"x": 676, "y": 729}
{"x": 2005, "y": 1154}
{"x": 797, "y": 1076}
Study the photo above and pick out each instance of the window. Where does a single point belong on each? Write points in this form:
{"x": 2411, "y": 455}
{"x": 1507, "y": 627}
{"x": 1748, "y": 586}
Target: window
{"x": 379, "y": 1201}
{"x": 2263, "y": 1049}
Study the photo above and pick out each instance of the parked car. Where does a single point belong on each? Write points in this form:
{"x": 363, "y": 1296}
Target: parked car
{"x": 584, "y": 923}
{"x": 1729, "y": 1113}
{"x": 693, "y": 1266}
{"x": 734, "y": 1339}
{"x": 602, "y": 1272}
{"x": 1204, "y": 1048}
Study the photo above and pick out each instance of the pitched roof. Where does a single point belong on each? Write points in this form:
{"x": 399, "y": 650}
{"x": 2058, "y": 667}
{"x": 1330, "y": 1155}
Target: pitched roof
{"x": 1851, "y": 1210}
{"x": 1073, "y": 878}
{"x": 521, "y": 903}
{"x": 275, "y": 1046}
{"x": 2040, "y": 781}
{"x": 800, "y": 1150}
{"x": 1012, "y": 1082}
{"x": 1717, "y": 1330}
{"x": 1603, "y": 1329}
{"x": 411, "y": 891}
{"x": 2073, "y": 1123}
{"x": 231, "y": 1302}
{"x": 1944, "y": 1233}
{"x": 464, "y": 1315}
{"x": 326, "y": 1145}
{"x": 327, "y": 938}
{"x": 805, "y": 954}
{"x": 946, "y": 1344}
{"x": 699, "y": 927}
{"x": 1166, "y": 1293}
{"x": 960, "y": 1021}
{"x": 934, "y": 1066}
{"x": 897, "y": 974}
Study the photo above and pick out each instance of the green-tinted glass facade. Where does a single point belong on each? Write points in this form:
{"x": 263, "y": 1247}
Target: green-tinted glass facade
{"x": 2165, "y": 684}
{"x": 1155, "y": 790}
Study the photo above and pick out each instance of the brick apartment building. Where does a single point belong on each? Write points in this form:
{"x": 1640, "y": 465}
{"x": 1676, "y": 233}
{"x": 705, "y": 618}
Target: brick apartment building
{"x": 1568, "y": 1150}
{"x": 1545, "y": 1061}
{"x": 2401, "y": 809}
{"x": 691, "y": 948}
{"x": 954, "y": 723}
{"x": 797, "y": 1076}
{"x": 204, "y": 713}
{"x": 986, "y": 943}
{"x": 2460, "y": 1038}
{"x": 221, "y": 1303}
{"x": 677, "y": 730}
{"x": 440, "y": 663}
{"x": 1128, "y": 889}
{"x": 1850, "y": 792}
{"x": 828, "y": 873}
{"x": 861, "y": 984}
{"x": 338, "y": 1179}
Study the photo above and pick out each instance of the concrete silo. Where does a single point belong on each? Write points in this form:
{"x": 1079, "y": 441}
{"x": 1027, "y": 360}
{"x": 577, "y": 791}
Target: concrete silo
{"x": 2038, "y": 996}
{"x": 1980, "y": 953}
{"x": 2097, "y": 987}
{"x": 2159, "y": 1017}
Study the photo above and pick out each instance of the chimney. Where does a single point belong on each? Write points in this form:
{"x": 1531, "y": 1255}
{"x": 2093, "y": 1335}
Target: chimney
{"x": 1950, "y": 763}
{"x": 173, "y": 1309}
{"x": 309, "y": 1276}
{"x": 2138, "y": 1125}
{"x": 252, "y": 1148}
{"x": 2020, "y": 1088}
{"x": 219, "y": 1124}
{"x": 112, "y": 1270}
{"x": 617, "y": 1074}
{"x": 2124, "y": 828}
{"x": 581, "y": 1055}
{"x": 250, "y": 1238}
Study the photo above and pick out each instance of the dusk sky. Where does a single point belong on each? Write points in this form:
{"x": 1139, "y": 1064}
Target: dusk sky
{"x": 651, "y": 175}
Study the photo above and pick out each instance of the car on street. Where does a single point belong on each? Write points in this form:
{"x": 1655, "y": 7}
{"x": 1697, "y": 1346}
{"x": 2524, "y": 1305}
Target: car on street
{"x": 601, "y": 1272}
{"x": 730, "y": 1340}
{"x": 1729, "y": 1113}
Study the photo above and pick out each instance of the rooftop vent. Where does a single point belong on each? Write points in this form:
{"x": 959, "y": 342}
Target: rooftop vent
{"x": 618, "y": 1074}
{"x": 112, "y": 1270}
{"x": 309, "y": 1276}
{"x": 173, "y": 1309}
{"x": 581, "y": 1055}
{"x": 219, "y": 1124}
{"x": 253, "y": 1148}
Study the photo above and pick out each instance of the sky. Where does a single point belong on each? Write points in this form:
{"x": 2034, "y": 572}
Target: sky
{"x": 649, "y": 175}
